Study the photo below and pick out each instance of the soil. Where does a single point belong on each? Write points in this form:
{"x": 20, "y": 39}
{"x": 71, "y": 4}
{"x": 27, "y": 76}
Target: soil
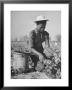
{"x": 32, "y": 75}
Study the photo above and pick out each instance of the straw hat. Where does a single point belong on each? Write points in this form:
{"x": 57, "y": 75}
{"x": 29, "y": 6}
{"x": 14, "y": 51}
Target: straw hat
{"x": 40, "y": 18}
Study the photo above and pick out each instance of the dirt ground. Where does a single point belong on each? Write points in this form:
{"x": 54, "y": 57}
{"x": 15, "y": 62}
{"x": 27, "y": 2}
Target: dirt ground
{"x": 32, "y": 75}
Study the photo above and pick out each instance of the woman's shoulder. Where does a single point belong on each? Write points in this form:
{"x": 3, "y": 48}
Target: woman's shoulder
{"x": 32, "y": 33}
{"x": 46, "y": 33}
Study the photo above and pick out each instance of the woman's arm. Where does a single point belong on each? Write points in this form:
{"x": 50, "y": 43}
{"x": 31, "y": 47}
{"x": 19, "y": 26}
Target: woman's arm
{"x": 47, "y": 40}
{"x": 40, "y": 56}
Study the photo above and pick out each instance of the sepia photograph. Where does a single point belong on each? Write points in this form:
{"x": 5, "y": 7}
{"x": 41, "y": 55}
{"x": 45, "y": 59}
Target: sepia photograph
{"x": 35, "y": 44}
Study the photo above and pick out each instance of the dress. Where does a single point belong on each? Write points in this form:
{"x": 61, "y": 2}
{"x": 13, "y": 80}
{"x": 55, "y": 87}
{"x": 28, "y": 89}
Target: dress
{"x": 36, "y": 40}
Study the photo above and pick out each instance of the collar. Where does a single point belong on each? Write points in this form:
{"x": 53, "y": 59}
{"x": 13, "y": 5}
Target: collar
{"x": 38, "y": 31}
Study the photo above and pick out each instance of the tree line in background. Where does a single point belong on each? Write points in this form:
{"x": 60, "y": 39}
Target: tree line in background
{"x": 26, "y": 38}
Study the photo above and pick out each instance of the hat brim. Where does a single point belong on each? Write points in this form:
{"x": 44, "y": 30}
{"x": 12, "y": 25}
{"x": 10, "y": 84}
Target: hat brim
{"x": 41, "y": 20}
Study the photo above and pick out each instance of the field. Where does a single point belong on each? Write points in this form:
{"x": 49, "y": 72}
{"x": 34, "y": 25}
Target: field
{"x": 22, "y": 65}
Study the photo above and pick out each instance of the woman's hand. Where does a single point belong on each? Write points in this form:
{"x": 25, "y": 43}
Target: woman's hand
{"x": 41, "y": 57}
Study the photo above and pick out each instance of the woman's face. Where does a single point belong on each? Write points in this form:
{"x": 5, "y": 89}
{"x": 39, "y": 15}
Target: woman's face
{"x": 41, "y": 25}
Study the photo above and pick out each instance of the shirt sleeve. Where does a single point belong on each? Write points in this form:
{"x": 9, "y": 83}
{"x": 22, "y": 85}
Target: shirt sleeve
{"x": 47, "y": 38}
{"x": 46, "y": 35}
{"x": 31, "y": 38}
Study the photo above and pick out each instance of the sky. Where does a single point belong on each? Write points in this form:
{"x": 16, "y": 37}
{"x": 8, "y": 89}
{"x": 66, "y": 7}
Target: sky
{"x": 22, "y": 22}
